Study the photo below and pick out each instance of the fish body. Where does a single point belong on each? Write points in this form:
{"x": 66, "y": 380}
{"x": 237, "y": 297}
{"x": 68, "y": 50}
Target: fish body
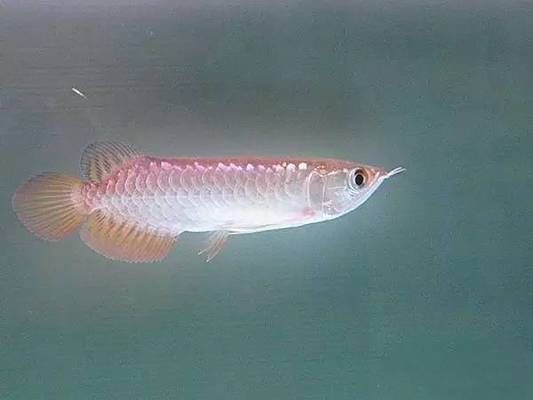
{"x": 198, "y": 195}
{"x": 132, "y": 207}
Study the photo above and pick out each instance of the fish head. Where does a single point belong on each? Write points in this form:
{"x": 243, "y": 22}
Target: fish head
{"x": 344, "y": 186}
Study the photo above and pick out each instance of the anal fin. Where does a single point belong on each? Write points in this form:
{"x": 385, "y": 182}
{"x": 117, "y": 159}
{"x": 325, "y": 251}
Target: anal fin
{"x": 216, "y": 242}
{"x": 125, "y": 241}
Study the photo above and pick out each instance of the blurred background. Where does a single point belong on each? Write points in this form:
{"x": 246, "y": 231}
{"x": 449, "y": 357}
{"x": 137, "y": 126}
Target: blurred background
{"x": 425, "y": 292}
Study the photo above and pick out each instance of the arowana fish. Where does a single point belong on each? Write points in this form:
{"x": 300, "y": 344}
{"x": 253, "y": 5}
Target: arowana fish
{"x": 133, "y": 207}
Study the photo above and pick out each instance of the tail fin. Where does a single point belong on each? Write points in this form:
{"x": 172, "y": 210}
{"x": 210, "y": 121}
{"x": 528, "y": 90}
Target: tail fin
{"x": 49, "y": 205}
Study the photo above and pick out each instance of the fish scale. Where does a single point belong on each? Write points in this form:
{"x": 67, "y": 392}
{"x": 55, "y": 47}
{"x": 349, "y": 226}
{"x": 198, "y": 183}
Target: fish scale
{"x": 177, "y": 196}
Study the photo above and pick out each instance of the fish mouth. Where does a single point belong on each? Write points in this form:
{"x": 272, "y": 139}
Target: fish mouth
{"x": 392, "y": 172}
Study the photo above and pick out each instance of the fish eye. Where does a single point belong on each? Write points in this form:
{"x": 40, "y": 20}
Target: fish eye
{"x": 358, "y": 178}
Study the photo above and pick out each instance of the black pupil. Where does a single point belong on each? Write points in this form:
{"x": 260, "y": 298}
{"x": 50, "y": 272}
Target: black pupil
{"x": 359, "y": 179}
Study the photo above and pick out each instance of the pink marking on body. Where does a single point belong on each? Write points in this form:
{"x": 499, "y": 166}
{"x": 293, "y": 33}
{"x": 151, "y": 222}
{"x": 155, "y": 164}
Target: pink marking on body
{"x": 308, "y": 212}
{"x": 119, "y": 187}
{"x": 129, "y": 184}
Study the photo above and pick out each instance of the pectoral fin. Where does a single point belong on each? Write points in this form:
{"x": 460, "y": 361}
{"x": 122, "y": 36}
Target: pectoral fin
{"x": 215, "y": 244}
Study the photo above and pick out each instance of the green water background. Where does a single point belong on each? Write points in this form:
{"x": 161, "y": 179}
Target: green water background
{"x": 425, "y": 292}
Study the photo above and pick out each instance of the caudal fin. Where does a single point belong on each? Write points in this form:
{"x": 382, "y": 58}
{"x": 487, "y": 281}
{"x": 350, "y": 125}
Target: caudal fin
{"x": 49, "y": 206}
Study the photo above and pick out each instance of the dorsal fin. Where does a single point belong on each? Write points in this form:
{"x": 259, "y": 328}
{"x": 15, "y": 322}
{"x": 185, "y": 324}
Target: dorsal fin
{"x": 99, "y": 159}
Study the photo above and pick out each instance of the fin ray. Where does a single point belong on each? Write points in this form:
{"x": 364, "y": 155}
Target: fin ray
{"x": 215, "y": 244}
{"x": 48, "y": 205}
{"x": 100, "y": 159}
{"x": 121, "y": 240}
